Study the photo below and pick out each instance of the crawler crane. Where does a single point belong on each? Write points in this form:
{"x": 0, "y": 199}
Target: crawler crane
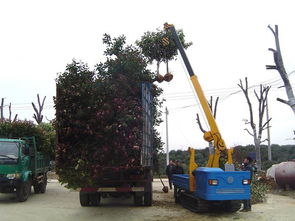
{"x": 205, "y": 187}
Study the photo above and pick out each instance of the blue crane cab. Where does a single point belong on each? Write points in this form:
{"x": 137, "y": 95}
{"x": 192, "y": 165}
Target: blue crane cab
{"x": 214, "y": 186}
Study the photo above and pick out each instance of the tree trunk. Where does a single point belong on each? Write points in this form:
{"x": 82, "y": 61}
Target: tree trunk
{"x": 279, "y": 66}
{"x": 257, "y": 142}
{"x": 257, "y": 129}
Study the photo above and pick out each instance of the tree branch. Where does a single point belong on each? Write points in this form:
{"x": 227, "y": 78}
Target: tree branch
{"x": 266, "y": 123}
{"x": 15, "y": 118}
{"x": 266, "y": 128}
{"x": 283, "y": 101}
{"x": 35, "y": 108}
{"x": 271, "y": 30}
{"x": 245, "y": 91}
{"x": 210, "y": 103}
{"x": 249, "y": 132}
{"x": 262, "y": 106}
{"x": 273, "y": 50}
{"x": 256, "y": 95}
{"x": 247, "y": 122}
{"x": 271, "y": 67}
{"x": 42, "y": 105}
{"x": 215, "y": 107}
{"x": 264, "y": 96}
{"x": 199, "y": 123}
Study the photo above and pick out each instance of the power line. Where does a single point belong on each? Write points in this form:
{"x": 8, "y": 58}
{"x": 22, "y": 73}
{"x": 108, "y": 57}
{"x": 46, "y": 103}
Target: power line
{"x": 222, "y": 98}
{"x": 225, "y": 94}
{"x": 27, "y": 107}
{"x": 222, "y": 91}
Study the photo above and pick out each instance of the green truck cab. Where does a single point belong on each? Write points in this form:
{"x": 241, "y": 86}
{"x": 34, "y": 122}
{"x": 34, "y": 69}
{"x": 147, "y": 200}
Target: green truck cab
{"x": 22, "y": 167}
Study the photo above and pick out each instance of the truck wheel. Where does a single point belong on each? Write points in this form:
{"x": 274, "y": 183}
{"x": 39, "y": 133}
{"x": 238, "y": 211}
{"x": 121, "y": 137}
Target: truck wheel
{"x": 137, "y": 200}
{"x": 148, "y": 191}
{"x": 23, "y": 191}
{"x": 148, "y": 198}
{"x": 84, "y": 199}
{"x": 94, "y": 199}
{"x": 36, "y": 188}
{"x": 232, "y": 205}
{"x": 43, "y": 185}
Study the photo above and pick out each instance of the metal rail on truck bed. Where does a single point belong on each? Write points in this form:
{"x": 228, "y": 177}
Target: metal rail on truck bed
{"x": 147, "y": 130}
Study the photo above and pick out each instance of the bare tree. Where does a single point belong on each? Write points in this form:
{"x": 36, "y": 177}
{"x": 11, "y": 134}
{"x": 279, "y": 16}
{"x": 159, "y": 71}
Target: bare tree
{"x": 256, "y": 129}
{"x": 10, "y": 112}
{"x": 279, "y": 66}
{"x": 213, "y": 110}
{"x": 38, "y": 111}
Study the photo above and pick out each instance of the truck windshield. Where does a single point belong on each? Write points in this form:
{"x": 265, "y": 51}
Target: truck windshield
{"x": 8, "y": 150}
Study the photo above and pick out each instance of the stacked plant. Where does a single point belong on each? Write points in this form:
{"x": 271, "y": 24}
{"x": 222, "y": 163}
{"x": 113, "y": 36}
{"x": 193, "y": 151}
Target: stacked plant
{"x": 99, "y": 114}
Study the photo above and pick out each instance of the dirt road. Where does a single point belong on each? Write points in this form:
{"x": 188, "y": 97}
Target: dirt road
{"x": 61, "y": 204}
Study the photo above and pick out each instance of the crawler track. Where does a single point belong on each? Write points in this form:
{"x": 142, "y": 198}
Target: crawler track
{"x": 194, "y": 204}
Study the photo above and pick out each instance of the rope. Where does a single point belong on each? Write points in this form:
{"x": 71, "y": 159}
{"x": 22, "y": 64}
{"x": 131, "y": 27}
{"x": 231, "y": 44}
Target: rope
{"x": 195, "y": 96}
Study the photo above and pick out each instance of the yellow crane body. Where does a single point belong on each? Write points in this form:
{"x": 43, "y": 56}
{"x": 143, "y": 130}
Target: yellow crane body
{"x": 214, "y": 134}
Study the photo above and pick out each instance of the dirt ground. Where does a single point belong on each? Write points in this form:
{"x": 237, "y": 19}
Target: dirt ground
{"x": 59, "y": 203}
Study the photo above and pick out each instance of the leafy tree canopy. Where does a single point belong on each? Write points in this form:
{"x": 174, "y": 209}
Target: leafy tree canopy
{"x": 152, "y": 46}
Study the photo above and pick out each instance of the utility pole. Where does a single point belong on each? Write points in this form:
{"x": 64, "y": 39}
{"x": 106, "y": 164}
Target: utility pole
{"x": 167, "y": 144}
{"x": 1, "y": 110}
{"x": 268, "y": 132}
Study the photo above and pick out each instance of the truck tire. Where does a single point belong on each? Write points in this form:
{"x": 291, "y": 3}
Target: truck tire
{"x": 43, "y": 185}
{"x": 137, "y": 200}
{"x": 23, "y": 191}
{"x": 94, "y": 199}
{"x": 36, "y": 188}
{"x": 84, "y": 199}
{"x": 148, "y": 190}
{"x": 148, "y": 198}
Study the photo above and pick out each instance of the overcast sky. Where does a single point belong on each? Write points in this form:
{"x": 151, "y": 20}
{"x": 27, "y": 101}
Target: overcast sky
{"x": 230, "y": 41}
